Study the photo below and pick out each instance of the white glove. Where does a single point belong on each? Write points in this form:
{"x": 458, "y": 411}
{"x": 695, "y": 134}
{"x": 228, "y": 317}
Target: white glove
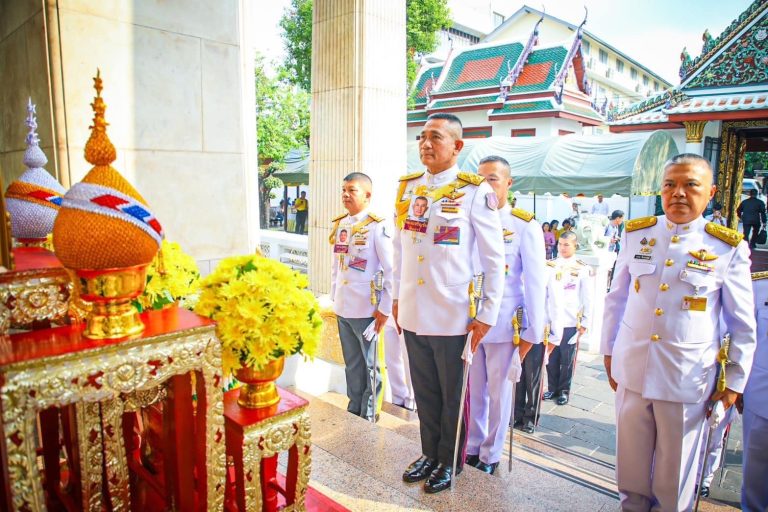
{"x": 515, "y": 369}
{"x": 370, "y": 333}
{"x": 467, "y": 354}
{"x": 717, "y": 415}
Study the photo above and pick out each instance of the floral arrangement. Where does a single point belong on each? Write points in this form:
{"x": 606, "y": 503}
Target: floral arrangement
{"x": 263, "y": 310}
{"x": 173, "y": 275}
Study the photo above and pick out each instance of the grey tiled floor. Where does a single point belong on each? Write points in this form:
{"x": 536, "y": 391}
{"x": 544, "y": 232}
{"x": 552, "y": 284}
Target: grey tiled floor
{"x": 586, "y": 425}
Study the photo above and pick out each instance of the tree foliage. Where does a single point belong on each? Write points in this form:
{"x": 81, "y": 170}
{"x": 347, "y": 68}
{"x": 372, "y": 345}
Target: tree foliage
{"x": 424, "y": 18}
{"x": 282, "y": 118}
{"x": 297, "y": 36}
{"x": 755, "y": 161}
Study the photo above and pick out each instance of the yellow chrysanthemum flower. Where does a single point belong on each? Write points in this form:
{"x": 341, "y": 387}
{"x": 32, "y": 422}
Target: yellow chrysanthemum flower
{"x": 263, "y": 311}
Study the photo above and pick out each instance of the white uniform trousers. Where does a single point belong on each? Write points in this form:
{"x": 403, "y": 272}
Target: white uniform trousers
{"x": 490, "y": 398}
{"x": 398, "y": 375}
{"x": 657, "y": 452}
{"x": 754, "y": 487}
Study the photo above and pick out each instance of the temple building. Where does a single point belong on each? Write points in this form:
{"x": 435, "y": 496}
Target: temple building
{"x": 556, "y": 79}
{"x": 720, "y": 108}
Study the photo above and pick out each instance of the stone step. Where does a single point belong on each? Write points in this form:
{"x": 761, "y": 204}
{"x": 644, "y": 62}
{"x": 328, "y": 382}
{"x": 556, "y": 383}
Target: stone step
{"x": 380, "y": 452}
{"x": 544, "y": 476}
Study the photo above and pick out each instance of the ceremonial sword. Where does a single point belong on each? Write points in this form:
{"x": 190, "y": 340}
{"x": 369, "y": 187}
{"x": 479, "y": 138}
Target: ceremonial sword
{"x": 517, "y": 322}
{"x": 475, "y": 296}
{"x": 377, "y": 285}
{"x": 541, "y": 377}
{"x": 722, "y": 361}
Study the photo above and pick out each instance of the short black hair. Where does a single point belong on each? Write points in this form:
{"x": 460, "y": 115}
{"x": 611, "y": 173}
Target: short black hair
{"x": 752, "y": 192}
{"x": 493, "y": 159}
{"x": 688, "y": 159}
{"x": 616, "y": 214}
{"x": 452, "y": 119}
{"x": 568, "y": 234}
{"x": 358, "y": 176}
{"x": 567, "y": 221}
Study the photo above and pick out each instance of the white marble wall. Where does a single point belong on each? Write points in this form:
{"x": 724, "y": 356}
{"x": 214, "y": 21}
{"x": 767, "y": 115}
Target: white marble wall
{"x": 173, "y": 83}
{"x": 358, "y": 112}
{"x": 23, "y": 74}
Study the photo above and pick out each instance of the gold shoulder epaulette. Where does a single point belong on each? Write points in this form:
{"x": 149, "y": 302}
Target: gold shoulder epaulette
{"x": 551, "y": 263}
{"x": 757, "y": 276}
{"x": 411, "y": 176}
{"x": 727, "y": 235}
{"x": 340, "y": 217}
{"x": 523, "y": 214}
{"x": 470, "y": 177}
{"x": 375, "y": 217}
{"x": 641, "y": 223}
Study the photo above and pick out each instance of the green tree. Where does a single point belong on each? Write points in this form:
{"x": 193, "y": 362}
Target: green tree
{"x": 755, "y": 161}
{"x": 297, "y": 36}
{"x": 282, "y": 117}
{"x": 424, "y": 18}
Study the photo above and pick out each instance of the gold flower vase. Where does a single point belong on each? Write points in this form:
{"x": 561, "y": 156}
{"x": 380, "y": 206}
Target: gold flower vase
{"x": 110, "y": 292}
{"x": 259, "y": 389}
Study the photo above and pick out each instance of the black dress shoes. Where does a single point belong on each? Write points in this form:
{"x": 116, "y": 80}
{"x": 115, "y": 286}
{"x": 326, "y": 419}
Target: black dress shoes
{"x": 472, "y": 460}
{"x": 562, "y": 399}
{"x": 704, "y": 493}
{"x": 440, "y": 479}
{"x": 487, "y": 468}
{"x": 549, "y": 395}
{"x": 528, "y": 427}
{"x": 518, "y": 424}
{"x": 420, "y": 469}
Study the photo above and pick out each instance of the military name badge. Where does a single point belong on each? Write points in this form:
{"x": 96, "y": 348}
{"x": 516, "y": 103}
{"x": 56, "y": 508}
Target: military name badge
{"x": 642, "y": 256}
{"x": 447, "y": 235}
{"x": 694, "y": 303}
{"x": 450, "y": 206}
{"x": 508, "y": 236}
{"x": 700, "y": 266}
{"x": 360, "y": 239}
{"x": 358, "y": 264}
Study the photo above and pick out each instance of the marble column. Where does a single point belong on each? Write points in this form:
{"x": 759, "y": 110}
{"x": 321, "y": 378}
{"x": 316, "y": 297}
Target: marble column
{"x": 358, "y": 112}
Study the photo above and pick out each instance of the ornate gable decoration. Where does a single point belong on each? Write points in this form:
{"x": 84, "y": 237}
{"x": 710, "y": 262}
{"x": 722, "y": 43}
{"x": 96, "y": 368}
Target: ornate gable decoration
{"x": 741, "y": 61}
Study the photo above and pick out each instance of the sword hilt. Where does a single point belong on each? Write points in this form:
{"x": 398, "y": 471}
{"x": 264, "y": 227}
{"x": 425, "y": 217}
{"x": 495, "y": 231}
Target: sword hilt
{"x": 579, "y": 316}
{"x": 547, "y": 331}
{"x": 723, "y": 361}
{"x": 475, "y": 292}
{"x": 377, "y": 285}
{"x": 517, "y": 322}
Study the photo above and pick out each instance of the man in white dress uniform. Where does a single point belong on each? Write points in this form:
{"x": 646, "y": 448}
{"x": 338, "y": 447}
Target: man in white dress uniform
{"x": 432, "y": 280}
{"x": 675, "y": 275}
{"x": 361, "y": 289}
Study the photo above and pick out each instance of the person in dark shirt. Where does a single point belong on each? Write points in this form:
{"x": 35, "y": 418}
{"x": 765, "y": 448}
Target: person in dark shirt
{"x": 751, "y": 211}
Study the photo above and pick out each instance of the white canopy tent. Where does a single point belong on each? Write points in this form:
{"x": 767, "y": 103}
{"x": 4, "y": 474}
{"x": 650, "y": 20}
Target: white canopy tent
{"x": 628, "y": 164}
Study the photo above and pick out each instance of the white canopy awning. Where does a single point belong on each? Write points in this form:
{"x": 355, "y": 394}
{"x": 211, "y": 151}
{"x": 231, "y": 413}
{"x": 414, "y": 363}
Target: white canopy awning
{"x": 625, "y": 164}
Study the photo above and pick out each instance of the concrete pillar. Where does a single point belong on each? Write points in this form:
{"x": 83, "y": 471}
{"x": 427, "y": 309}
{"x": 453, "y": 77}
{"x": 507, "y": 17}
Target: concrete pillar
{"x": 694, "y": 134}
{"x": 358, "y": 112}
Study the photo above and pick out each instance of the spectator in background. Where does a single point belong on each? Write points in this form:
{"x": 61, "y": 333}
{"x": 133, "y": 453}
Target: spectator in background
{"x": 549, "y": 240}
{"x": 614, "y": 230}
{"x": 576, "y": 212}
{"x": 717, "y": 215}
{"x": 751, "y": 211}
{"x": 600, "y": 207}
{"x": 567, "y": 226}
{"x": 302, "y": 210}
{"x": 553, "y": 228}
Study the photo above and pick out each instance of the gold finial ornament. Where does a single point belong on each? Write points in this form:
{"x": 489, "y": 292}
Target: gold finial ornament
{"x": 517, "y": 322}
{"x": 99, "y": 150}
{"x": 723, "y": 360}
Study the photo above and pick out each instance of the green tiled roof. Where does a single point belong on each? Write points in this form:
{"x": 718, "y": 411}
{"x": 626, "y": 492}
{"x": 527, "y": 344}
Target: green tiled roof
{"x": 540, "y": 70}
{"x": 523, "y": 107}
{"x": 465, "y": 101}
{"x": 415, "y": 116}
{"x": 481, "y": 67}
{"x": 420, "y": 89}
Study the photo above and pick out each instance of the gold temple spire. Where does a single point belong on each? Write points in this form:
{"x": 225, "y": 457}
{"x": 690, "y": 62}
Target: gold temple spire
{"x": 99, "y": 150}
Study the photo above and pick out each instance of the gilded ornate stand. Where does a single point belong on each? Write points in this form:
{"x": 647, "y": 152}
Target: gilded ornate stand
{"x": 103, "y": 379}
{"x": 254, "y": 439}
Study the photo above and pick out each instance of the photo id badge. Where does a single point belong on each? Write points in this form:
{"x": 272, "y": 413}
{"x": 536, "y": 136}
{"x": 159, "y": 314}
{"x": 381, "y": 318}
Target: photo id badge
{"x": 694, "y": 303}
{"x": 418, "y": 214}
{"x": 341, "y": 245}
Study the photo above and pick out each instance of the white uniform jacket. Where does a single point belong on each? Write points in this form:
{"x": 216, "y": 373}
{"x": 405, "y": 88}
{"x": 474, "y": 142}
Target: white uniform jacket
{"x": 525, "y": 278}
{"x": 574, "y": 278}
{"x": 369, "y": 251}
{"x": 662, "y": 315}
{"x": 553, "y": 306}
{"x": 433, "y": 271}
{"x": 756, "y": 392}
